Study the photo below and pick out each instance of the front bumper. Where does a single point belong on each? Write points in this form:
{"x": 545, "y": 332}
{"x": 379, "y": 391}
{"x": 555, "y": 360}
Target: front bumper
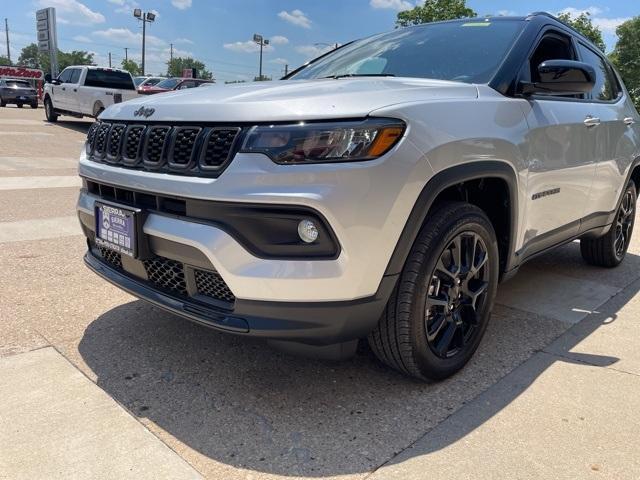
{"x": 315, "y": 323}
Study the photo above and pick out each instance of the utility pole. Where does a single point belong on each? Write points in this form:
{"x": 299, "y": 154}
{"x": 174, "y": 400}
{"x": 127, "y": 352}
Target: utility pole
{"x": 126, "y": 54}
{"x": 144, "y": 17}
{"x": 171, "y": 53}
{"x": 286, "y": 70}
{"x": 109, "y": 59}
{"x": 6, "y": 30}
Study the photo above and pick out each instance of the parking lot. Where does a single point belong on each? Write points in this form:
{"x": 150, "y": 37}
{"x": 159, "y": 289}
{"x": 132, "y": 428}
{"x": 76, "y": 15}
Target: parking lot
{"x": 97, "y": 384}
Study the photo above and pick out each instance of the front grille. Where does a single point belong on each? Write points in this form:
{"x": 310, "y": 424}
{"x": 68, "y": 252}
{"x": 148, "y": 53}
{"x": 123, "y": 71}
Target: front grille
{"x": 166, "y": 274}
{"x": 172, "y": 277}
{"x": 212, "y": 285}
{"x": 188, "y": 150}
{"x": 111, "y": 257}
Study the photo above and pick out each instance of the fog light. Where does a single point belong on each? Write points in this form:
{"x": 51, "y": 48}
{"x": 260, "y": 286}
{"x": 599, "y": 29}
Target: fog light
{"x": 308, "y": 231}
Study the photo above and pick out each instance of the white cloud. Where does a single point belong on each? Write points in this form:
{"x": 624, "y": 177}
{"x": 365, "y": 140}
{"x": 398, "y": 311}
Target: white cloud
{"x": 181, "y": 4}
{"x": 82, "y": 39}
{"x": 184, "y": 41}
{"x": 296, "y": 17}
{"x": 116, "y": 2}
{"x": 575, "y": 12}
{"x": 279, "y": 40}
{"x": 246, "y": 47}
{"x": 313, "y": 51}
{"x": 609, "y": 25}
{"x": 279, "y": 61}
{"x": 392, "y": 4}
{"x": 507, "y": 13}
{"x": 72, "y": 11}
{"x": 125, "y": 37}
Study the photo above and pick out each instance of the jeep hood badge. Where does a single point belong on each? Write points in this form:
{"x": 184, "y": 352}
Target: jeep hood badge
{"x": 144, "y": 112}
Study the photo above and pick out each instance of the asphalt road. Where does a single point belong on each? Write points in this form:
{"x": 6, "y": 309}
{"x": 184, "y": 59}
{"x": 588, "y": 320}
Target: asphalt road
{"x": 231, "y": 407}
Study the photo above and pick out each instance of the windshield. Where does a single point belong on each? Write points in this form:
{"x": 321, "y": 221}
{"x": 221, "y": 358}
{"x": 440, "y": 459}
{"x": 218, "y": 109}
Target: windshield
{"x": 152, "y": 81}
{"x": 466, "y": 51}
{"x": 18, "y": 83}
{"x": 169, "y": 83}
{"x": 138, "y": 80}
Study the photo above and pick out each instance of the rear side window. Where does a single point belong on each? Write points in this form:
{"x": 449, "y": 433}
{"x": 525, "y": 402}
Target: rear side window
{"x": 605, "y": 88}
{"x": 109, "y": 79}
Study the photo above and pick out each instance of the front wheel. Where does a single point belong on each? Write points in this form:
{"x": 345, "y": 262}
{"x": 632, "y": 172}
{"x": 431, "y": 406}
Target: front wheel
{"x": 49, "y": 112}
{"x": 610, "y": 249}
{"x": 439, "y": 310}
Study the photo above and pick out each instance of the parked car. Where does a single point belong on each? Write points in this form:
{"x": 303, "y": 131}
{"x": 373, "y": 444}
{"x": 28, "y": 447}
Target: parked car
{"x": 381, "y": 191}
{"x": 169, "y": 84}
{"x": 86, "y": 91}
{"x": 18, "y": 92}
{"x": 148, "y": 83}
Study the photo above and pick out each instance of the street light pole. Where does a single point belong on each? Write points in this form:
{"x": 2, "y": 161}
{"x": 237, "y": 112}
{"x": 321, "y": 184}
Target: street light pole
{"x": 6, "y": 29}
{"x": 263, "y": 42}
{"x": 144, "y": 17}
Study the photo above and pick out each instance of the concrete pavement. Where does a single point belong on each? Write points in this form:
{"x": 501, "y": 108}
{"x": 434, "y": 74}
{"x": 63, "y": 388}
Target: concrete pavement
{"x": 232, "y": 408}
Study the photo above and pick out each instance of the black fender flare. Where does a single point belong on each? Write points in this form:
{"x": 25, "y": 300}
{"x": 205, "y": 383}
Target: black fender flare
{"x": 437, "y": 184}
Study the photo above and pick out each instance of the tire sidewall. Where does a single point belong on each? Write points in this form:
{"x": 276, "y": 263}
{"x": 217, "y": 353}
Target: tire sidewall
{"x": 428, "y": 362}
{"x": 630, "y": 188}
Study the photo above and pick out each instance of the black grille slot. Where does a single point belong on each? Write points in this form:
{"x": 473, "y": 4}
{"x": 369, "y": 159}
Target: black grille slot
{"x": 218, "y": 146}
{"x": 114, "y": 142}
{"x": 132, "y": 144}
{"x": 167, "y": 274}
{"x": 91, "y": 136}
{"x": 155, "y": 144}
{"x": 111, "y": 257}
{"x": 183, "y": 146}
{"x": 211, "y": 284}
{"x": 101, "y": 140}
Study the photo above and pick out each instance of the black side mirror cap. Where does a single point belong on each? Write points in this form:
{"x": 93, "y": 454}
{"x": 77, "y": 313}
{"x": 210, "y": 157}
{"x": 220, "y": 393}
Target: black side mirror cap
{"x": 562, "y": 77}
{"x": 47, "y": 78}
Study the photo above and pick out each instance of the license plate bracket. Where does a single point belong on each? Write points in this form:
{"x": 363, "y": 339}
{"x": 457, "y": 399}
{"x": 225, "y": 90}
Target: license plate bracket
{"x": 119, "y": 228}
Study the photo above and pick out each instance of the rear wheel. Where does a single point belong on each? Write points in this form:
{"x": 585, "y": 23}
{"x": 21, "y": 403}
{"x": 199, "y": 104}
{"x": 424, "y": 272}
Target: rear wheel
{"x": 19, "y": 105}
{"x": 49, "y": 112}
{"x": 2, "y": 102}
{"x": 439, "y": 311}
{"x": 610, "y": 249}
{"x": 34, "y": 105}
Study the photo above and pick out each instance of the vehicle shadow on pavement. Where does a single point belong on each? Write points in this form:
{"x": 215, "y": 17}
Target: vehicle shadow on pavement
{"x": 240, "y": 403}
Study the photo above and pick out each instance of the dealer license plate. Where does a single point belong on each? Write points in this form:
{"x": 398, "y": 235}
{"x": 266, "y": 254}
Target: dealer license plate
{"x": 116, "y": 228}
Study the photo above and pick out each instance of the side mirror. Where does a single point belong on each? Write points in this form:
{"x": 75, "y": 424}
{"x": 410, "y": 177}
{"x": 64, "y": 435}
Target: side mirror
{"x": 47, "y": 78}
{"x": 562, "y": 77}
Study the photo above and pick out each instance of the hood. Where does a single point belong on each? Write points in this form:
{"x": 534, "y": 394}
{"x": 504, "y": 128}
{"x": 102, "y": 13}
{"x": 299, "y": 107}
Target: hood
{"x": 290, "y": 99}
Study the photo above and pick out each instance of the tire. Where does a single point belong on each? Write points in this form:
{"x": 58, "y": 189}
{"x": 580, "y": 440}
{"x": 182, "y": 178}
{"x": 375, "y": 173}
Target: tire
{"x": 49, "y": 111}
{"x": 610, "y": 249}
{"x": 19, "y": 105}
{"x": 97, "y": 109}
{"x": 2, "y": 103}
{"x": 34, "y": 105}
{"x": 401, "y": 337}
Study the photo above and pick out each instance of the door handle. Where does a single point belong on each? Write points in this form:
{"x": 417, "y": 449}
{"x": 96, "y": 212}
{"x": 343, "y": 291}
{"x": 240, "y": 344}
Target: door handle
{"x": 64, "y": 88}
{"x": 591, "y": 121}
{"x": 629, "y": 121}
{"x": 75, "y": 89}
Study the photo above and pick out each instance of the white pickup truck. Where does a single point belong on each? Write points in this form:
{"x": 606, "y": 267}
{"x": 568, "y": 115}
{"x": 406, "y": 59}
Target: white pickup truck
{"x": 86, "y": 91}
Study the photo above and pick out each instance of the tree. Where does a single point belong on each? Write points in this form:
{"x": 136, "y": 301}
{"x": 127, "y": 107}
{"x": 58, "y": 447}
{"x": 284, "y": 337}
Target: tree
{"x": 434, "y": 11}
{"x": 626, "y": 56}
{"x": 178, "y": 64}
{"x": 585, "y": 26}
{"x": 31, "y": 57}
{"x": 132, "y": 67}
{"x": 263, "y": 78}
{"x": 4, "y": 61}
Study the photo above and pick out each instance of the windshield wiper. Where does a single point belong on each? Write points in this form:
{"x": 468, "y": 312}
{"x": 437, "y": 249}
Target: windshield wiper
{"x": 346, "y": 75}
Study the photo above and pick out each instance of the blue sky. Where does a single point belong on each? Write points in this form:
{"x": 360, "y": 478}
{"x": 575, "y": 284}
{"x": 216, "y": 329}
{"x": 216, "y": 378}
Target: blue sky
{"x": 218, "y": 32}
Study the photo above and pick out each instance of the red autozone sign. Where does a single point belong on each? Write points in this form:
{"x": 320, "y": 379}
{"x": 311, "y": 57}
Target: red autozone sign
{"x": 21, "y": 72}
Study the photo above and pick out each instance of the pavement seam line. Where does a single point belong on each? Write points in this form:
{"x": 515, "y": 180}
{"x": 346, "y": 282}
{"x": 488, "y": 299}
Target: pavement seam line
{"x": 131, "y": 414}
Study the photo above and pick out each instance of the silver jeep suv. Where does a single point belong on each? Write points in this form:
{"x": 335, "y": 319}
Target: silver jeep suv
{"x": 381, "y": 191}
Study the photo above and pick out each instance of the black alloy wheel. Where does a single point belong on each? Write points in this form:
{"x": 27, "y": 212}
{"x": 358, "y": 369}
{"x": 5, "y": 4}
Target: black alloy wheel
{"x": 455, "y": 294}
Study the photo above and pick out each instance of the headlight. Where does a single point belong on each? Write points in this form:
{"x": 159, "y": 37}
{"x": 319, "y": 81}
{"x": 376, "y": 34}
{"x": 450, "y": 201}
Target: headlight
{"x": 325, "y": 142}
